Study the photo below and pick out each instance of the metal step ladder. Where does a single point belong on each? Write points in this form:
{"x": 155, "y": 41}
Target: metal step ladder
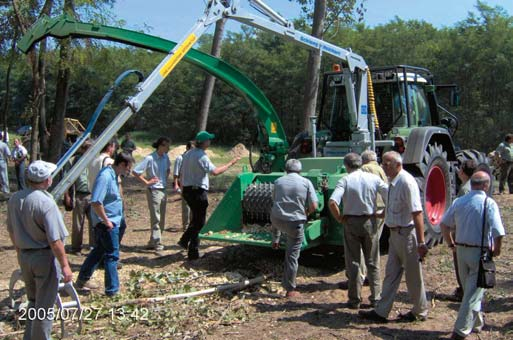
{"x": 61, "y": 306}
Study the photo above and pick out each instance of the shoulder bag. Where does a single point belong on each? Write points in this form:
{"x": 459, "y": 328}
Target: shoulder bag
{"x": 486, "y": 272}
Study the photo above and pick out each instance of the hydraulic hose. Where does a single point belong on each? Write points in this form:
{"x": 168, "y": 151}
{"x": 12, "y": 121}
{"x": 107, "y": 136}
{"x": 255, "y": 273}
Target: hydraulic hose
{"x": 92, "y": 122}
{"x": 371, "y": 99}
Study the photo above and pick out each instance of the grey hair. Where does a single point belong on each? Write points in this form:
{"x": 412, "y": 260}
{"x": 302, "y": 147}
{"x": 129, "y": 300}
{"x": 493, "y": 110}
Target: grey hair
{"x": 369, "y": 156}
{"x": 293, "y": 165}
{"x": 395, "y": 156}
{"x": 478, "y": 180}
{"x": 353, "y": 161}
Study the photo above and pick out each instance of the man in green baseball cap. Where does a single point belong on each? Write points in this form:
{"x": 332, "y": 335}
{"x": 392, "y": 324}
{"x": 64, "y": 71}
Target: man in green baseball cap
{"x": 196, "y": 166}
{"x": 203, "y": 136}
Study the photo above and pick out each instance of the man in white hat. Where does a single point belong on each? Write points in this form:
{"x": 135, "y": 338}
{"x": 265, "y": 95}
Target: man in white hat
{"x": 37, "y": 232}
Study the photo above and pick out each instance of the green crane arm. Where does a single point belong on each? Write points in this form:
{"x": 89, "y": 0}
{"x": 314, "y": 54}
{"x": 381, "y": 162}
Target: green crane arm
{"x": 272, "y": 135}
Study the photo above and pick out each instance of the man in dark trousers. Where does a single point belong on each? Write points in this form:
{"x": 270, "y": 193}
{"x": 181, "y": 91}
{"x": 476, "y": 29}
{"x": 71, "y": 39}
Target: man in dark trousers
{"x": 196, "y": 167}
{"x": 37, "y": 232}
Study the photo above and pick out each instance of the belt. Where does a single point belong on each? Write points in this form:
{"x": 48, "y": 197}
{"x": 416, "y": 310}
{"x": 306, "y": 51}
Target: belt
{"x": 35, "y": 249}
{"x": 399, "y": 228}
{"x": 193, "y": 187}
{"x": 466, "y": 245}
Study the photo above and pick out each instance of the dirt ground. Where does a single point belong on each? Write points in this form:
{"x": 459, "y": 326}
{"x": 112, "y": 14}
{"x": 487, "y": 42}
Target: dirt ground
{"x": 258, "y": 312}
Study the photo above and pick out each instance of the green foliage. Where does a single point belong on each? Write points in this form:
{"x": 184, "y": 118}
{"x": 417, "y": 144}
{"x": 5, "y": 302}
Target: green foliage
{"x": 475, "y": 54}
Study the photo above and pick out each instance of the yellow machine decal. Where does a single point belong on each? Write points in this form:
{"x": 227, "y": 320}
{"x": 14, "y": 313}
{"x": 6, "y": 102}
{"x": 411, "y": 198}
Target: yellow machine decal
{"x": 178, "y": 55}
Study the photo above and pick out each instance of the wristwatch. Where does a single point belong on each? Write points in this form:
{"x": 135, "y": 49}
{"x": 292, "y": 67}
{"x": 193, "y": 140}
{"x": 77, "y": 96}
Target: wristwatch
{"x": 421, "y": 244}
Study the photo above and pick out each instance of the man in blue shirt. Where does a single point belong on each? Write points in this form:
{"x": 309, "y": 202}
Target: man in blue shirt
{"x": 107, "y": 214}
{"x": 465, "y": 218}
{"x": 153, "y": 172}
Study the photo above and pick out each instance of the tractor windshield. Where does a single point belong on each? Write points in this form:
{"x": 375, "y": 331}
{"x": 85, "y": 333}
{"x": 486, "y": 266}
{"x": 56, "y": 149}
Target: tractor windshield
{"x": 419, "y": 107}
{"x": 391, "y": 105}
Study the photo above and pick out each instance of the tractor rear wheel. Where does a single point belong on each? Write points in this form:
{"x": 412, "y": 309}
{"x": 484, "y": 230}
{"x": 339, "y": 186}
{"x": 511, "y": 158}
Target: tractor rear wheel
{"x": 481, "y": 161}
{"x": 436, "y": 188}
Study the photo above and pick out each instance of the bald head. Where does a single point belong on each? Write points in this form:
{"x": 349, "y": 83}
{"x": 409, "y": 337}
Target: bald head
{"x": 480, "y": 180}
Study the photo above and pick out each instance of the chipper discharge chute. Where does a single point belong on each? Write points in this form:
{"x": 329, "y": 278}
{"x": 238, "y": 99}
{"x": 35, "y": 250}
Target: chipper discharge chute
{"x": 243, "y": 215}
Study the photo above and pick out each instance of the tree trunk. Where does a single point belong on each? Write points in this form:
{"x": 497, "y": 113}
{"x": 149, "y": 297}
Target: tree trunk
{"x": 61, "y": 101}
{"x": 43, "y": 132}
{"x": 38, "y": 86}
{"x": 208, "y": 86}
{"x": 313, "y": 66}
{"x": 5, "y": 107}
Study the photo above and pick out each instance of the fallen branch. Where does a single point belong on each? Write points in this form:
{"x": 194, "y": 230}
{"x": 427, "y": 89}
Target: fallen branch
{"x": 221, "y": 288}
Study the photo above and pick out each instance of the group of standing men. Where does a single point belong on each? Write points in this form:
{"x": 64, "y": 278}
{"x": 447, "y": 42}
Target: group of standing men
{"x": 37, "y": 229}
{"x": 463, "y": 225}
{"x": 18, "y": 155}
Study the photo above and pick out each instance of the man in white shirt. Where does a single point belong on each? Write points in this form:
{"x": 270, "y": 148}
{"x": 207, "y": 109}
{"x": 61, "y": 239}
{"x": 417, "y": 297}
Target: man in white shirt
{"x": 403, "y": 215}
{"x": 359, "y": 192}
{"x": 102, "y": 160}
{"x": 19, "y": 155}
{"x": 467, "y": 216}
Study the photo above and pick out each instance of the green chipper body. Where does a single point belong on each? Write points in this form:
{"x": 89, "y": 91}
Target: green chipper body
{"x": 243, "y": 215}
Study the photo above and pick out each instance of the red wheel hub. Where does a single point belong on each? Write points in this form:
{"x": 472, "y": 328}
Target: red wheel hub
{"x": 435, "y": 195}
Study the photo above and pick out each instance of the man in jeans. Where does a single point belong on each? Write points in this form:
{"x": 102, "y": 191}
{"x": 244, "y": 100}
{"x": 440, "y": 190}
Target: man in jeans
{"x": 465, "y": 216}
{"x": 359, "y": 192}
{"x": 107, "y": 215}
{"x": 294, "y": 199}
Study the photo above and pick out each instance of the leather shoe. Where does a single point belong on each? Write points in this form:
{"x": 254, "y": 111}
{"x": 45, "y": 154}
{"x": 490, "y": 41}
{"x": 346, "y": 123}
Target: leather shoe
{"x": 353, "y": 305}
{"x": 372, "y": 316}
{"x": 410, "y": 317}
{"x": 193, "y": 254}
{"x": 183, "y": 244}
{"x": 456, "y": 336}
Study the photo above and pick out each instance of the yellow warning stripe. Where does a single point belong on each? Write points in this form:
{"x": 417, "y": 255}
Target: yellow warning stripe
{"x": 178, "y": 55}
